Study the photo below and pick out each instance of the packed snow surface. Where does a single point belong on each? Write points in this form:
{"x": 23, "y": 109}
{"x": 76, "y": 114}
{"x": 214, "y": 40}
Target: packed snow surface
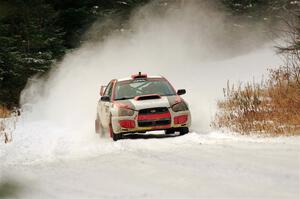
{"x": 196, "y": 165}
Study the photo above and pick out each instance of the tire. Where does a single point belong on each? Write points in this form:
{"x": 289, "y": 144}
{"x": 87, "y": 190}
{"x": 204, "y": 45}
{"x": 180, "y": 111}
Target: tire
{"x": 117, "y": 137}
{"x": 184, "y": 130}
{"x": 113, "y": 135}
{"x": 98, "y": 127}
{"x": 169, "y": 131}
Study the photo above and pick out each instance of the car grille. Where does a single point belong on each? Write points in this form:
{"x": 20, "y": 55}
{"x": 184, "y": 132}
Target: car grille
{"x": 151, "y": 117}
{"x": 156, "y": 110}
{"x": 149, "y": 123}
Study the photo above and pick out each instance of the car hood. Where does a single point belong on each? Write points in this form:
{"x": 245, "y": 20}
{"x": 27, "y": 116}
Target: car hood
{"x": 164, "y": 101}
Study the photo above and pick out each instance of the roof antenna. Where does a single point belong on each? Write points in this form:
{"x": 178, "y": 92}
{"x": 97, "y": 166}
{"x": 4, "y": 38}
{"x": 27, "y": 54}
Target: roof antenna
{"x": 140, "y": 73}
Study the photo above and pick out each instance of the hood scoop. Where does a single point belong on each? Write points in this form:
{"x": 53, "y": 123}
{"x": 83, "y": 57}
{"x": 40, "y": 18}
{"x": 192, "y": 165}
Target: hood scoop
{"x": 147, "y": 97}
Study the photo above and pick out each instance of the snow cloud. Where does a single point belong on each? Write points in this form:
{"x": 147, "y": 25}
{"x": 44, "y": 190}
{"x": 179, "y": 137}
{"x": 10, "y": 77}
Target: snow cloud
{"x": 191, "y": 44}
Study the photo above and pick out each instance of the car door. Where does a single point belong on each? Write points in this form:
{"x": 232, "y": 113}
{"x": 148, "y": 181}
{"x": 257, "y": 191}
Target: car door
{"x": 105, "y": 106}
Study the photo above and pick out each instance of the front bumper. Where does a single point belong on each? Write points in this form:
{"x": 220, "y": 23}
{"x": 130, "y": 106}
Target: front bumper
{"x": 139, "y": 127}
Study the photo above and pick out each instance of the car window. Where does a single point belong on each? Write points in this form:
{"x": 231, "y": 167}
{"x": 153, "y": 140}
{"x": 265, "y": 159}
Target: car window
{"x": 132, "y": 88}
{"x": 108, "y": 90}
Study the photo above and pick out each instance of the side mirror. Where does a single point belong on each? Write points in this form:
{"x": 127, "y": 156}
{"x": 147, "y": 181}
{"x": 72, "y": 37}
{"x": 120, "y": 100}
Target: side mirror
{"x": 102, "y": 89}
{"x": 105, "y": 98}
{"x": 181, "y": 92}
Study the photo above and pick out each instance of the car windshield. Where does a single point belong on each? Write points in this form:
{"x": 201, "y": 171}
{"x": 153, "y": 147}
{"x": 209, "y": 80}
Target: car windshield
{"x": 132, "y": 88}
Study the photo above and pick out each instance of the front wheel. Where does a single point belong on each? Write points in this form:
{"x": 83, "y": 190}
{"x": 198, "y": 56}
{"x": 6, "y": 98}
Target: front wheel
{"x": 114, "y": 136}
{"x": 184, "y": 130}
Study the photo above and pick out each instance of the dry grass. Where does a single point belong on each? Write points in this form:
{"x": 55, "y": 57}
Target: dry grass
{"x": 269, "y": 108}
{"x": 4, "y": 112}
{"x": 5, "y": 132}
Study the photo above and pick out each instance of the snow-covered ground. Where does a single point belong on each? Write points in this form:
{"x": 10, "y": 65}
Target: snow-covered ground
{"x": 197, "y": 165}
{"x": 56, "y": 154}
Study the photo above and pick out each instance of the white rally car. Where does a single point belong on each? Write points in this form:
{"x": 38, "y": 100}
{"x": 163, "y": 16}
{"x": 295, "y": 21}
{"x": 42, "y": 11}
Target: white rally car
{"x": 141, "y": 103}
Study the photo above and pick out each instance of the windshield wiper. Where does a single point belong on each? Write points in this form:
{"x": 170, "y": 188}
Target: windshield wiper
{"x": 123, "y": 98}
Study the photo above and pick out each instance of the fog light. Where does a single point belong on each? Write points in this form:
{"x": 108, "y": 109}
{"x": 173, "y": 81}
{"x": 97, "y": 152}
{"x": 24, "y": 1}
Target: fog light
{"x": 180, "y": 119}
{"x": 128, "y": 124}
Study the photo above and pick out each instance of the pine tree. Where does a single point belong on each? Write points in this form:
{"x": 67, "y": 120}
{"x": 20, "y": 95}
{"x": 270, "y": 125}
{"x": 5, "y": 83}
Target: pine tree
{"x": 30, "y": 43}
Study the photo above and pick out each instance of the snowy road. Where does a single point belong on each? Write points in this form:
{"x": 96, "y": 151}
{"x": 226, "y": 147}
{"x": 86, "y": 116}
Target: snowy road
{"x": 209, "y": 165}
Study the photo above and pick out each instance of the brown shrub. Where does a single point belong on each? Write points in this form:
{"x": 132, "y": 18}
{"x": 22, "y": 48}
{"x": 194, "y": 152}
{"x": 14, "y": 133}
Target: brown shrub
{"x": 270, "y": 108}
{"x": 4, "y": 112}
{"x": 4, "y": 132}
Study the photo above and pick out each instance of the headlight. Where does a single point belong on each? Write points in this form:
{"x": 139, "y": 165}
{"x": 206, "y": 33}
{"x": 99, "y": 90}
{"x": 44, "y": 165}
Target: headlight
{"x": 126, "y": 112}
{"x": 181, "y": 106}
